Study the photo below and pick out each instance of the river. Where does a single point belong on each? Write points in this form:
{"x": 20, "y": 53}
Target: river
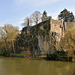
{"x": 24, "y": 66}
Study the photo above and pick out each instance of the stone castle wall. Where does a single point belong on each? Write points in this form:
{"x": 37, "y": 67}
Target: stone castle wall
{"x": 69, "y": 25}
{"x": 58, "y": 28}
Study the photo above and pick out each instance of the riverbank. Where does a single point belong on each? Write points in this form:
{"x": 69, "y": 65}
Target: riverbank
{"x": 26, "y": 56}
{"x": 62, "y": 58}
{"x": 57, "y": 56}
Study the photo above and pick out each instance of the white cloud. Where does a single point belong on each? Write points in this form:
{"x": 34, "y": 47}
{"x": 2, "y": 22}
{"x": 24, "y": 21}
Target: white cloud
{"x": 34, "y": 2}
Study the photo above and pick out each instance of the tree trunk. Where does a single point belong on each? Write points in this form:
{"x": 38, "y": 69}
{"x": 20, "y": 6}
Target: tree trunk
{"x": 13, "y": 47}
{"x": 5, "y": 46}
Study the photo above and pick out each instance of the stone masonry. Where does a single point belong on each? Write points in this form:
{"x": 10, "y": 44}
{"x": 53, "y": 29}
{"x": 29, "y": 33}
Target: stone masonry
{"x": 58, "y": 28}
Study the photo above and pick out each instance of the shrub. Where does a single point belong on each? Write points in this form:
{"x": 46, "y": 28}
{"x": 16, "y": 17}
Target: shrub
{"x": 56, "y": 55}
{"x": 52, "y": 56}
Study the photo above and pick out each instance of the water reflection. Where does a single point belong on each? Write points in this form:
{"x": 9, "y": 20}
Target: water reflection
{"x": 23, "y": 66}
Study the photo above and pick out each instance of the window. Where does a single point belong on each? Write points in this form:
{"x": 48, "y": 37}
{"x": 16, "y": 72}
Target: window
{"x": 55, "y": 24}
{"x": 54, "y": 34}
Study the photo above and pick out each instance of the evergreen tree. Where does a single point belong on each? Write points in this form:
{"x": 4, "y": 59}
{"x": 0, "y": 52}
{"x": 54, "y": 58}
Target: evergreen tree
{"x": 44, "y": 16}
{"x": 66, "y": 15}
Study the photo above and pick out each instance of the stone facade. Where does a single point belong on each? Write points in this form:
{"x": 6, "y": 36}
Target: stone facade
{"x": 58, "y": 28}
{"x": 69, "y": 25}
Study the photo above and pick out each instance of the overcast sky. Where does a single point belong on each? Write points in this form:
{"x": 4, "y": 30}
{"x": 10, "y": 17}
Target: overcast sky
{"x": 14, "y": 11}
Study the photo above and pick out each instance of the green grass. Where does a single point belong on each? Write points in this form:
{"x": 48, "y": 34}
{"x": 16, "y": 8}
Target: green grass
{"x": 1, "y": 53}
{"x": 19, "y": 54}
{"x": 38, "y": 55}
{"x": 42, "y": 56}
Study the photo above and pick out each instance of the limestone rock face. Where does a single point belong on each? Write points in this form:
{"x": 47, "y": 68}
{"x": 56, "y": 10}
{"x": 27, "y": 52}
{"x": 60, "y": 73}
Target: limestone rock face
{"x": 46, "y": 45}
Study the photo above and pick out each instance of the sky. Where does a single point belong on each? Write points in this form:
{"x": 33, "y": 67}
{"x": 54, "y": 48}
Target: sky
{"x": 14, "y": 11}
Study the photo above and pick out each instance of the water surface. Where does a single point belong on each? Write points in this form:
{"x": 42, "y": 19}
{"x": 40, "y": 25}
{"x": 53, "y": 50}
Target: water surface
{"x": 24, "y": 66}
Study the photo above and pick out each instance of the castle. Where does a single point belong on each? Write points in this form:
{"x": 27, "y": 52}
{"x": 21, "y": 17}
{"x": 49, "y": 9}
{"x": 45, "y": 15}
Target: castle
{"x": 38, "y": 37}
{"x": 58, "y": 28}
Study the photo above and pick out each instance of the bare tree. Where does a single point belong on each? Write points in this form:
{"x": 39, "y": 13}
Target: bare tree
{"x": 27, "y": 22}
{"x": 3, "y": 38}
{"x": 36, "y": 16}
{"x": 11, "y": 33}
{"x": 8, "y": 34}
